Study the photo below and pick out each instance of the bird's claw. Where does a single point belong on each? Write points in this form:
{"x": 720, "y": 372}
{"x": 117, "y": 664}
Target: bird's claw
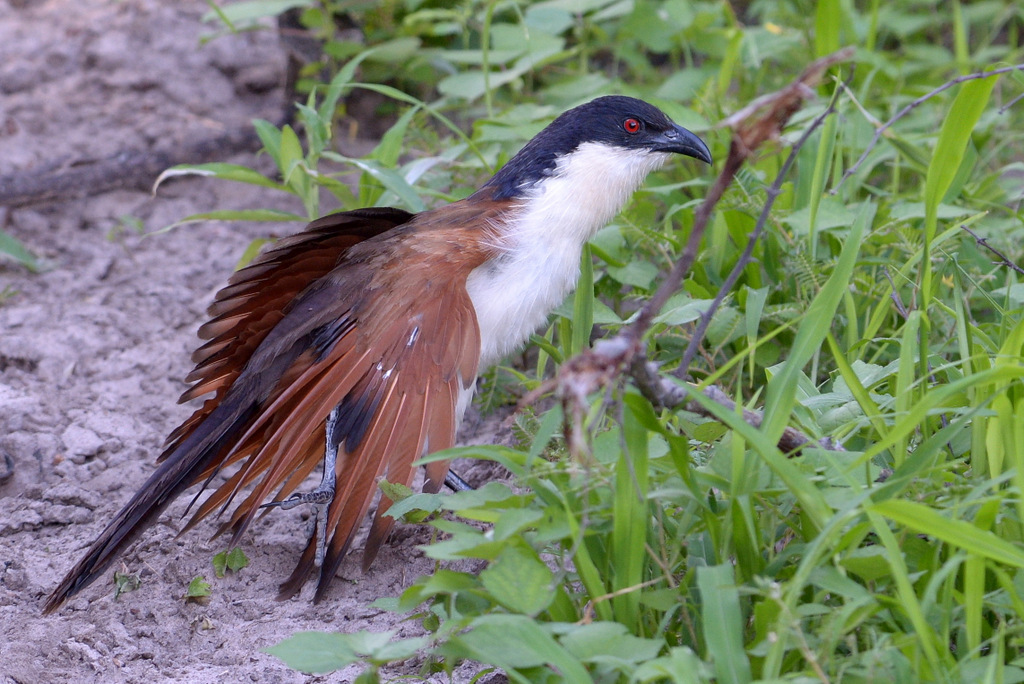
{"x": 285, "y": 504}
{"x": 317, "y": 497}
{"x": 319, "y": 501}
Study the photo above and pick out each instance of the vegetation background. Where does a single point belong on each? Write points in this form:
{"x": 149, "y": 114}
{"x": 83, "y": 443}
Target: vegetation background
{"x": 881, "y": 308}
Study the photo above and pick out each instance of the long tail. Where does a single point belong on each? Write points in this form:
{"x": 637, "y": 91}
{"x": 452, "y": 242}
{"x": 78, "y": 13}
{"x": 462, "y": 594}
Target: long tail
{"x": 177, "y": 472}
{"x": 244, "y": 314}
{"x": 295, "y": 335}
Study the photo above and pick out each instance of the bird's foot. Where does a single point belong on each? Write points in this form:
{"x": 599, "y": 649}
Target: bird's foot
{"x": 319, "y": 500}
{"x": 317, "y": 497}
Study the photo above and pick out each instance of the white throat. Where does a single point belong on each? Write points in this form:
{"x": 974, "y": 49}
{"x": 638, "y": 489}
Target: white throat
{"x": 514, "y": 293}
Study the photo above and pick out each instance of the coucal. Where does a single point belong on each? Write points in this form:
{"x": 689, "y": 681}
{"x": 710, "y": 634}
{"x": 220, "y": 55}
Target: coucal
{"x": 358, "y": 340}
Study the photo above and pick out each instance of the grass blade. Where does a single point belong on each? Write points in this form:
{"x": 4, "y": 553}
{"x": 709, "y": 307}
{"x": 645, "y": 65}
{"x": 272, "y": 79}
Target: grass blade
{"x": 722, "y": 622}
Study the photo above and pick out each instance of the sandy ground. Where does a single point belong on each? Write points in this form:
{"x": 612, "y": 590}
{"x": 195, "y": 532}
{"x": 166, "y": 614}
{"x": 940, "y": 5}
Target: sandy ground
{"x": 93, "y": 350}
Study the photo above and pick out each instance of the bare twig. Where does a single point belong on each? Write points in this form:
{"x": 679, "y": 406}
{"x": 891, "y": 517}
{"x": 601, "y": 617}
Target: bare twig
{"x": 895, "y": 296}
{"x": 129, "y": 169}
{"x": 905, "y": 314}
{"x": 758, "y": 122}
{"x": 772, "y": 193}
{"x": 879, "y": 131}
{"x": 1005, "y": 107}
{"x": 983, "y": 242}
{"x": 663, "y": 392}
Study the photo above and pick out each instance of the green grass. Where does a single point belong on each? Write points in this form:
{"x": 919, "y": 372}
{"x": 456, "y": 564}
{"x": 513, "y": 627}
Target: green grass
{"x": 680, "y": 548}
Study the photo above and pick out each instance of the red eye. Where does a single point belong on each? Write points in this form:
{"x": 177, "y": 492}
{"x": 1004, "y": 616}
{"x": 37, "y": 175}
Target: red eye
{"x": 631, "y": 125}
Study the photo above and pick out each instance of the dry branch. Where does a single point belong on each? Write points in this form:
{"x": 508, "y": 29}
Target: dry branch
{"x": 880, "y": 130}
{"x": 663, "y": 392}
{"x": 1003, "y": 259}
{"x": 126, "y": 170}
{"x": 757, "y": 123}
{"x": 772, "y": 194}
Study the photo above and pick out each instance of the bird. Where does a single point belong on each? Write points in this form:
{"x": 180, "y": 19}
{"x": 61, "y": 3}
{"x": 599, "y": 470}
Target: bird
{"x": 357, "y": 341}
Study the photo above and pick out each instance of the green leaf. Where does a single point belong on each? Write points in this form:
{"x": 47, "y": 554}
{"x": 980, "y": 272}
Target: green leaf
{"x": 232, "y": 172}
{"x": 782, "y": 388}
{"x": 681, "y": 666}
{"x": 630, "y": 513}
{"x": 389, "y": 178}
{"x": 250, "y": 10}
{"x": 583, "y": 305}
{"x": 519, "y": 581}
{"x": 682, "y": 308}
{"x": 198, "y": 590}
{"x": 396, "y": 491}
{"x": 827, "y": 214}
{"x": 956, "y": 131}
{"x": 233, "y": 560}
{"x": 10, "y": 247}
{"x": 908, "y": 601}
{"x": 636, "y": 273}
{"x": 959, "y": 533}
{"x": 251, "y": 250}
{"x": 220, "y": 564}
{"x": 600, "y": 641}
{"x": 514, "y": 642}
{"x": 722, "y": 622}
{"x": 389, "y": 149}
{"x": 949, "y": 151}
{"x": 827, "y": 22}
{"x": 268, "y": 215}
{"x": 237, "y": 559}
{"x": 422, "y": 504}
{"x": 270, "y": 136}
{"x": 319, "y": 652}
{"x": 125, "y": 582}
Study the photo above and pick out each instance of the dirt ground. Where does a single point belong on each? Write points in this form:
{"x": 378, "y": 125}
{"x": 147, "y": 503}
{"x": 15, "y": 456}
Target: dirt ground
{"x": 93, "y": 351}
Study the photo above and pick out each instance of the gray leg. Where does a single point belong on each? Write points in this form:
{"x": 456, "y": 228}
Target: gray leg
{"x": 456, "y": 483}
{"x": 320, "y": 498}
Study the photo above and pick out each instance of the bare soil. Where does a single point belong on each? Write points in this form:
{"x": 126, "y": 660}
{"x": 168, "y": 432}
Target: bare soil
{"x": 93, "y": 351}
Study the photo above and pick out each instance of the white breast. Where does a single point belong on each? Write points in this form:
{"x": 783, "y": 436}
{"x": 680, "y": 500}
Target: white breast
{"x": 514, "y": 293}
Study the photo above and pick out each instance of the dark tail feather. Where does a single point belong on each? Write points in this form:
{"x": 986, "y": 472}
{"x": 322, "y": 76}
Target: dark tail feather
{"x": 291, "y": 586}
{"x": 175, "y": 474}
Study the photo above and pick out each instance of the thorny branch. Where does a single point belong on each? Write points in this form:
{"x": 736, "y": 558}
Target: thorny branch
{"x": 752, "y": 126}
{"x": 663, "y": 391}
{"x": 895, "y": 296}
{"x": 880, "y": 130}
{"x": 772, "y": 193}
{"x": 983, "y": 242}
{"x": 904, "y": 313}
{"x": 755, "y": 124}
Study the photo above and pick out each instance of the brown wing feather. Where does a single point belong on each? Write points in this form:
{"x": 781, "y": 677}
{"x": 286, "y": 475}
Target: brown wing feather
{"x": 349, "y": 314}
{"x": 258, "y": 296}
{"x": 204, "y": 438}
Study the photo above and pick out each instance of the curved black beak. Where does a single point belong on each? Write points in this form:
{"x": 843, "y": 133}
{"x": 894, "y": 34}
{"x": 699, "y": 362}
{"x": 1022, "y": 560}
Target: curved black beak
{"x": 681, "y": 141}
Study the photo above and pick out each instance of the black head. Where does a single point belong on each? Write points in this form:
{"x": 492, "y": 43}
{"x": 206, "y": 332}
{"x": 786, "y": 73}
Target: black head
{"x": 613, "y": 120}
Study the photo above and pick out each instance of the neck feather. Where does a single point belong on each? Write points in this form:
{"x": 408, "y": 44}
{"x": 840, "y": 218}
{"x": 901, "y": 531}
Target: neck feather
{"x": 540, "y": 243}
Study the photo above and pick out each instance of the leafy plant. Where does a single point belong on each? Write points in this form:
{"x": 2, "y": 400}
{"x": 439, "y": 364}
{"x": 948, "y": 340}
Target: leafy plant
{"x": 232, "y": 560}
{"x": 198, "y": 590}
{"x": 12, "y": 249}
{"x": 680, "y": 543}
{"x": 125, "y": 582}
